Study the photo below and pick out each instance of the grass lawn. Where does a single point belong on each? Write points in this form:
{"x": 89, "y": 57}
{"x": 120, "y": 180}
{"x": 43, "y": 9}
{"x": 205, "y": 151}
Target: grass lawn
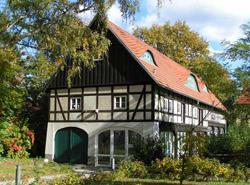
{"x": 30, "y": 168}
{"x": 167, "y": 182}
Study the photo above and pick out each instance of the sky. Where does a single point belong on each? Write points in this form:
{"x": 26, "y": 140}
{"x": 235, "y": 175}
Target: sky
{"x": 214, "y": 20}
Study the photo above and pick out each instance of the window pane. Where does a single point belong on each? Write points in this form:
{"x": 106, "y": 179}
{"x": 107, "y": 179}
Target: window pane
{"x": 123, "y": 102}
{"x": 73, "y": 103}
{"x": 104, "y": 143}
{"x": 78, "y": 103}
{"x": 103, "y": 160}
{"x": 119, "y": 142}
{"x": 132, "y": 138}
{"x": 170, "y": 106}
{"x": 186, "y": 109}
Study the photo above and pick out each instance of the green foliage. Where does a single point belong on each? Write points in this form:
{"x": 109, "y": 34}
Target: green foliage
{"x": 131, "y": 169}
{"x": 15, "y": 141}
{"x": 149, "y": 150}
{"x": 235, "y": 143}
{"x": 167, "y": 168}
{"x": 239, "y": 50}
{"x": 38, "y": 38}
{"x": 69, "y": 180}
{"x": 181, "y": 44}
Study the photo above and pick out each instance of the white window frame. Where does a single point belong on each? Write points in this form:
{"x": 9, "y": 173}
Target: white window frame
{"x": 170, "y": 106}
{"x": 165, "y": 104}
{"x": 120, "y": 102}
{"x": 195, "y": 112}
{"x": 186, "y": 110}
{"x": 77, "y": 100}
{"x": 111, "y": 155}
{"x": 179, "y": 108}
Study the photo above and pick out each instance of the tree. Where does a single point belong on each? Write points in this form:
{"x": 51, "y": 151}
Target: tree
{"x": 177, "y": 41}
{"x": 240, "y": 49}
{"x": 36, "y": 39}
{"x": 188, "y": 48}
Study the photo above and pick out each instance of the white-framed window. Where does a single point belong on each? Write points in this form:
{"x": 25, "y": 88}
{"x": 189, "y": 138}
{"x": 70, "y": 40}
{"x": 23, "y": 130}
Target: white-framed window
{"x": 170, "y": 106}
{"x": 186, "y": 109}
{"x": 165, "y": 104}
{"x": 194, "y": 112}
{"x": 115, "y": 143}
{"x": 213, "y": 116}
{"x": 178, "y": 107}
{"x": 120, "y": 102}
{"x": 75, "y": 103}
{"x": 190, "y": 110}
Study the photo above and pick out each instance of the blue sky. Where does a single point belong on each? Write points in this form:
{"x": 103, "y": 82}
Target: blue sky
{"x": 214, "y": 20}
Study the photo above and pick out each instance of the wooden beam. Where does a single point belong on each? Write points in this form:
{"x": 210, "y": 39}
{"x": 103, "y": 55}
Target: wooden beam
{"x": 139, "y": 101}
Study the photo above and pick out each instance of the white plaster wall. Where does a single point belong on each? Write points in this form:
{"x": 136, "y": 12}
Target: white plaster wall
{"x": 94, "y": 128}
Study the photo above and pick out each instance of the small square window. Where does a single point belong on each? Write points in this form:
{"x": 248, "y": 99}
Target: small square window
{"x": 120, "y": 102}
{"x": 75, "y": 103}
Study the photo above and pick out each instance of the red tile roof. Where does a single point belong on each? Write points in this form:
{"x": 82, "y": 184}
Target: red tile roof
{"x": 167, "y": 73}
{"x": 243, "y": 100}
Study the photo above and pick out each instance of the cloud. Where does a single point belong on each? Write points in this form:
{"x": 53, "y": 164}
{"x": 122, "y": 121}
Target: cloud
{"x": 215, "y": 20}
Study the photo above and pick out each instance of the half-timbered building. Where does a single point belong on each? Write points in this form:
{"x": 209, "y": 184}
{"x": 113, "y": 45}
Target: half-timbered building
{"x": 135, "y": 91}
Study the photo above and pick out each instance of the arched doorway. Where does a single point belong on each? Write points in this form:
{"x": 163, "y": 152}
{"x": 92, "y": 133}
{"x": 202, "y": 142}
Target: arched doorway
{"x": 71, "y": 146}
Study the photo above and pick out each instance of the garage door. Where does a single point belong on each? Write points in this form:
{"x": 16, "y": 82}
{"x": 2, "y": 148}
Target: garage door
{"x": 71, "y": 146}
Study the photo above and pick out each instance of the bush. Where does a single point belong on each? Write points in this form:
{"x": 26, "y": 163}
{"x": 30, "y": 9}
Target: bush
{"x": 149, "y": 150}
{"x": 131, "y": 169}
{"x": 15, "y": 140}
{"x": 68, "y": 180}
{"x": 167, "y": 168}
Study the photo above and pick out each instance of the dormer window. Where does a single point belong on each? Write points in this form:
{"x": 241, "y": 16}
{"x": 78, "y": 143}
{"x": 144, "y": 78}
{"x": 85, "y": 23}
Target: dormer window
{"x": 192, "y": 83}
{"x": 148, "y": 57}
{"x": 205, "y": 89}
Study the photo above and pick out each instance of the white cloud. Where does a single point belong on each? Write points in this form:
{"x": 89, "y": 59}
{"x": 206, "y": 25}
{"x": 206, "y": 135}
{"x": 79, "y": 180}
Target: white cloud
{"x": 216, "y": 20}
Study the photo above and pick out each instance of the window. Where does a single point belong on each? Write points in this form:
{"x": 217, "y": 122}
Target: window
{"x": 148, "y": 57}
{"x": 170, "y": 106}
{"x": 205, "y": 89}
{"x": 222, "y": 131}
{"x": 210, "y": 130}
{"x": 75, "y": 103}
{"x": 186, "y": 109}
{"x": 104, "y": 148}
{"x": 133, "y": 137}
{"x": 191, "y": 83}
{"x": 120, "y": 102}
{"x": 165, "y": 104}
{"x": 104, "y": 142}
{"x": 117, "y": 143}
{"x": 190, "y": 111}
{"x": 169, "y": 140}
{"x": 178, "y": 108}
{"x": 212, "y": 117}
{"x": 194, "y": 112}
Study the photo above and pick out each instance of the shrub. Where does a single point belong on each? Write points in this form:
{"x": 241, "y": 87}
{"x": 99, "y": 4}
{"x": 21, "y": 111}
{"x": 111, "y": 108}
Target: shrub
{"x": 167, "y": 167}
{"x": 15, "y": 140}
{"x": 68, "y": 180}
{"x": 131, "y": 169}
{"x": 149, "y": 150}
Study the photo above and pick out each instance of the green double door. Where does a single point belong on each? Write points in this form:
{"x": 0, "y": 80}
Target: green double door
{"x": 71, "y": 146}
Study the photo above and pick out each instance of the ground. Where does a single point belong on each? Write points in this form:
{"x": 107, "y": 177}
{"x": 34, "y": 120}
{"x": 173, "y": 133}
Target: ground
{"x": 31, "y": 168}
{"x": 35, "y": 168}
